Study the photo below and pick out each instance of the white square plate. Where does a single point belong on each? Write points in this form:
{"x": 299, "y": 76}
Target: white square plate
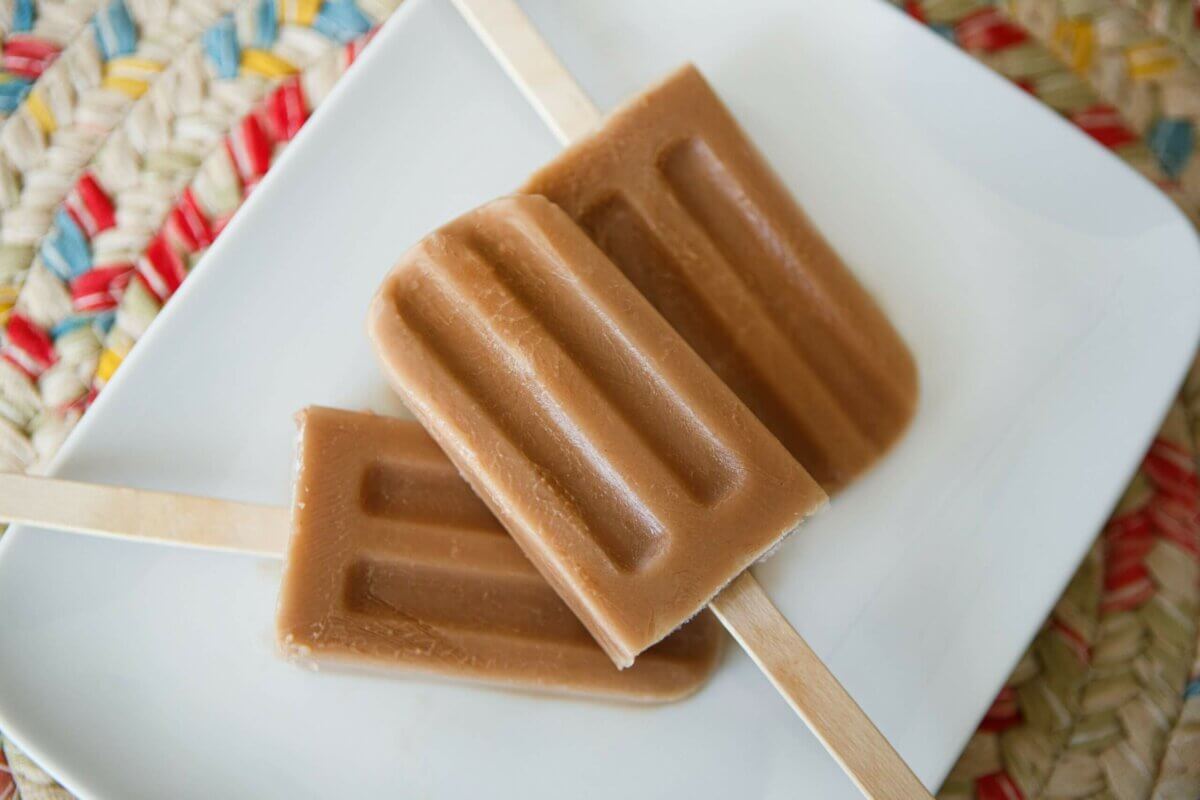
{"x": 1050, "y": 296}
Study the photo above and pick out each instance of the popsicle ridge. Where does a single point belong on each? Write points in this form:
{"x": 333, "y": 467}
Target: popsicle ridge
{"x": 391, "y": 586}
{"x": 729, "y": 329}
{"x": 504, "y": 298}
{"x": 490, "y": 379}
{"x": 749, "y": 241}
{"x": 432, "y": 495}
{"x": 587, "y": 335}
{"x": 634, "y": 480}
{"x": 395, "y": 565}
{"x": 679, "y": 198}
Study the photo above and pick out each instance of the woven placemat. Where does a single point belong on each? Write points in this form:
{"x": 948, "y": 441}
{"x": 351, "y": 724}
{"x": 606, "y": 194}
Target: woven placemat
{"x": 132, "y": 130}
{"x": 1106, "y": 701}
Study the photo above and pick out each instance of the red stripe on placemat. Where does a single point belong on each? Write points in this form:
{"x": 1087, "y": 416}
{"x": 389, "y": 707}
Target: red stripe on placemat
{"x": 1004, "y": 712}
{"x": 1074, "y": 639}
{"x": 1104, "y": 124}
{"x": 988, "y": 30}
{"x": 1170, "y": 467}
{"x": 27, "y": 56}
{"x": 8, "y": 787}
{"x": 997, "y": 786}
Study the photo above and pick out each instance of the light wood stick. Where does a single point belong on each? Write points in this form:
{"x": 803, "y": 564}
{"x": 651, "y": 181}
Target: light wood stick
{"x": 813, "y": 692}
{"x": 532, "y": 65}
{"x": 743, "y": 607}
{"x": 140, "y": 515}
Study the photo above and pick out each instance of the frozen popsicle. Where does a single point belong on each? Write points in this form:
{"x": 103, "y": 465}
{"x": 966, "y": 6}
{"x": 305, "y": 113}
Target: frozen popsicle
{"x": 673, "y": 191}
{"x": 395, "y": 565}
{"x": 636, "y": 482}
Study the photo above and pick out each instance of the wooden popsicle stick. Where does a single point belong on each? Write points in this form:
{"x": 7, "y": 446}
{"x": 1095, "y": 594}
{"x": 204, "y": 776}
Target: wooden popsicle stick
{"x": 140, "y": 515}
{"x": 813, "y": 692}
{"x": 743, "y": 607}
{"x": 532, "y": 65}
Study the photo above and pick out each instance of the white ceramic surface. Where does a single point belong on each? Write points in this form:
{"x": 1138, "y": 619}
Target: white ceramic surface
{"x": 1049, "y": 294}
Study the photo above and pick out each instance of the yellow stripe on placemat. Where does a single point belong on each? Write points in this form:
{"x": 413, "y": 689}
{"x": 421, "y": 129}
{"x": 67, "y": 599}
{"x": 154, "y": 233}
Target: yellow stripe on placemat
{"x": 1151, "y": 59}
{"x": 299, "y": 12}
{"x": 8, "y": 299}
{"x": 41, "y": 113}
{"x": 130, "y": 87}
{"x": 1075, "y": 41}
{"x": 133, "y": 64}
{"x": 109, "y": 361}
{"x": 268, "y": 65}
{"x": 130, "y": 75}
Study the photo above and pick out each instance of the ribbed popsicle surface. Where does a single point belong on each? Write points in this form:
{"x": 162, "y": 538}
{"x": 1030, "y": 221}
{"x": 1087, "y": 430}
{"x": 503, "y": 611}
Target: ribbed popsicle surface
{"x": 633, "y": 478}
{"x": 396, "y": 565}
{"x": 677, "y": 196}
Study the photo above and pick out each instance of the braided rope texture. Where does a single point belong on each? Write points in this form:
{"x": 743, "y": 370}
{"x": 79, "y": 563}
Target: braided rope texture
{"x": 1106, "y": 701}
{"x": 130, "y": 133}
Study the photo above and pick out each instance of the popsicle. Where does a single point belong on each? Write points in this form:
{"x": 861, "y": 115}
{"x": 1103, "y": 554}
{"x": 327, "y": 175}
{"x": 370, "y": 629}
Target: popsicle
{"x": 632, "y": 477}
{"x": 673, "y": 191}
{"x": 678, "y": 196}
{"x": 395, "y": 565}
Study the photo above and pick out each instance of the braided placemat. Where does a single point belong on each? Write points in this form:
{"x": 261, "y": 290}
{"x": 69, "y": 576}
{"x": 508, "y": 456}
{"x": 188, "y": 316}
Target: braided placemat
{"x": 1106, "y": 701}
{"x": 131, "y": 131}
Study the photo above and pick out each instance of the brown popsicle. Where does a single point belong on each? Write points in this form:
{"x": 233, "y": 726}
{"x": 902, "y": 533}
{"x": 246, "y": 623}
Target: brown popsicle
{"x": 636, "y": 482}
{"x": 395, "y": 565}
{"x": 675, "y": 193}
